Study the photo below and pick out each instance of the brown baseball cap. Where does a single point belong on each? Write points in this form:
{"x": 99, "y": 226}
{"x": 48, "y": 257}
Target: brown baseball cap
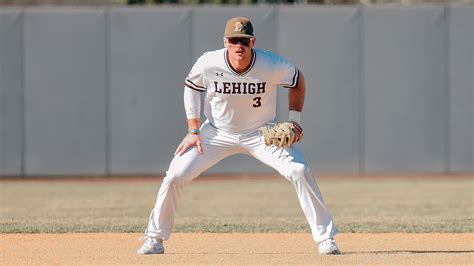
{"x": 238, "y": 27}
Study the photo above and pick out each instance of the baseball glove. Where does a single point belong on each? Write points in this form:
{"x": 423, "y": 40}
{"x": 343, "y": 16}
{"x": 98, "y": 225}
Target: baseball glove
{"x": 281, "y": 134}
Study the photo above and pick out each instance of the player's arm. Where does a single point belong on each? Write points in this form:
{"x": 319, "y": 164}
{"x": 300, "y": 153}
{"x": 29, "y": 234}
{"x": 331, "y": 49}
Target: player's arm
{"x": 289, "y": 76}
{"x": 296, "y": 95}
{"x": 296, "y": 101}
{"x": 192, "y": 106}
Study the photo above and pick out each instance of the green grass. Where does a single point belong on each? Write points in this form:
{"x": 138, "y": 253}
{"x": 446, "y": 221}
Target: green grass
{"x": 358, "y": 205}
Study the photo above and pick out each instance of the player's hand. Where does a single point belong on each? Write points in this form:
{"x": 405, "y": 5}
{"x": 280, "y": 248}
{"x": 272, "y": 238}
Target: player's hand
{"x": 282, "y": 134}
{"x": 189, "y": 141}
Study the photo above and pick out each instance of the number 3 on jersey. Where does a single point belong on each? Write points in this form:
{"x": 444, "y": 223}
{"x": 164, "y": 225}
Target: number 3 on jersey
{"x": 257, "y": 102}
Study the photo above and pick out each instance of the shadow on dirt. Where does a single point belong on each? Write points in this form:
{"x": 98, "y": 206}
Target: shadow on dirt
{"x": 409, "y": 252}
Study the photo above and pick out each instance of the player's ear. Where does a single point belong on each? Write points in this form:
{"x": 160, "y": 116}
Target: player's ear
{"x": 253, "y": 40}
{"x": 225, "y": 42}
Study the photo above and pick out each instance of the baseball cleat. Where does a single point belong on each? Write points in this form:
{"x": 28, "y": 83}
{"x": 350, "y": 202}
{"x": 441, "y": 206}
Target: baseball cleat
{"x": 151, "y": 246}
{"x": 328, "y": 247}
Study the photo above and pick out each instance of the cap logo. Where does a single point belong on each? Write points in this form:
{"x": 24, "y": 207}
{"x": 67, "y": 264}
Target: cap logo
{"x": 238, "y": 26}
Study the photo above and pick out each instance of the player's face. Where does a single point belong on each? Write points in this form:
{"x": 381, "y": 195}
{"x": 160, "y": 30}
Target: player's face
{"x": 239, "y": 48}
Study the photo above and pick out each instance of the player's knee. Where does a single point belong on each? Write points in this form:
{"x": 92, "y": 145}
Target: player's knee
{"x": 298, "y": 171}
{"x": 170, "y": 178}
{"x": 178, "y": 177}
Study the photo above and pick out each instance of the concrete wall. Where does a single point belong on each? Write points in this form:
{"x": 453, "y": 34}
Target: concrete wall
{"x": 461, "y": 83}
{"x": 405, "y": 80}
{"x": 11, "y": 92}
{"x": 99, "y": 91}
{"x": 65, "y": 91}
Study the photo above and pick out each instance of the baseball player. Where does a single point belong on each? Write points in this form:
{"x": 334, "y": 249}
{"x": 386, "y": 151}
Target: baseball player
{"x": 240, "y": 87}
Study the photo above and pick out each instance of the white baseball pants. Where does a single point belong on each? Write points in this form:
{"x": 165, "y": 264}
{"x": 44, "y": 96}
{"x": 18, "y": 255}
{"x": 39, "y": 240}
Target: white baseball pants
{"x": 217, "y": 145}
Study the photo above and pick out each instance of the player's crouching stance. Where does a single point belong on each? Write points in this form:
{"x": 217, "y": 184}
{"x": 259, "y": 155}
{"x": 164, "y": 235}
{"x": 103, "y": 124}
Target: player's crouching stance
{"x": 240, "y": 85}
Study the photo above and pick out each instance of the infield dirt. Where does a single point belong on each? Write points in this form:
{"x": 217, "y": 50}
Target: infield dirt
{"x": 237, "y": 248}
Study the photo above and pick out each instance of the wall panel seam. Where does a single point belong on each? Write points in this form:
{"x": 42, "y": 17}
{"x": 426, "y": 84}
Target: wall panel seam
{"x": 107, "y": 91}
{"x": 362, "y": 124}
{"x": 447, "y": 90}
{"x": 22, "y": 95}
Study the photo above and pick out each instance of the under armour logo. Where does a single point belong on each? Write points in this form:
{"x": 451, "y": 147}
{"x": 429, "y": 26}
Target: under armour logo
{"x": 220, "y": 74}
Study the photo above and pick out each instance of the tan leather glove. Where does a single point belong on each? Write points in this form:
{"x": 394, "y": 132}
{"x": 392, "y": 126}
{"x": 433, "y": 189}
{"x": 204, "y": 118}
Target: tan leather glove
{"x": 281, "y": 134}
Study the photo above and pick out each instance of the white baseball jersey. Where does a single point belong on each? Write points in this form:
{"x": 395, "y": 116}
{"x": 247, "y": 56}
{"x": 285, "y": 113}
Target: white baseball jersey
{"x": 236, "y": 106}
{"x": 241, "y": 103}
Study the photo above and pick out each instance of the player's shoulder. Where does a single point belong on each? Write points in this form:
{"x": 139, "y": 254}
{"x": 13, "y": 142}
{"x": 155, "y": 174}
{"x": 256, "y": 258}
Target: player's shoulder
{"x": 212, "y": 55}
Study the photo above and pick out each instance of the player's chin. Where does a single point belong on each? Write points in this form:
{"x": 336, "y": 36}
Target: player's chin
{"x": 239, "y": 55}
